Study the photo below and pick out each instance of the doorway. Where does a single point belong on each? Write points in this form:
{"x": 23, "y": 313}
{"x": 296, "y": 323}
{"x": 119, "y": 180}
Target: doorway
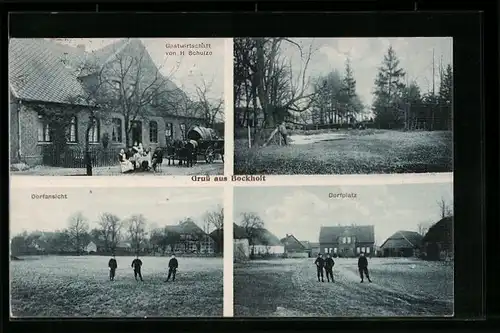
{"x": 136, "y": 132}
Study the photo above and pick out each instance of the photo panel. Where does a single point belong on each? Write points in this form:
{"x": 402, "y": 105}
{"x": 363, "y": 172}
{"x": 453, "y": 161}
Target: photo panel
{"x": 344, "y": 251}
{"x": 117, "y": 106}
{"x": 116, "y": 252}
{"x": 335, "y": 106}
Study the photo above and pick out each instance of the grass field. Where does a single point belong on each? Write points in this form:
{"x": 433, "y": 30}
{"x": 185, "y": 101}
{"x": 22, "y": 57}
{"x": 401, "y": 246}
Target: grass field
{"x": 80, "y": 287}
{"x": 289, "y": 288}
{"x": 357, "y": 152}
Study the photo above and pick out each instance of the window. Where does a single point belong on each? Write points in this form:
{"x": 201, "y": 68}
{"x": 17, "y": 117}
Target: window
{"x": 94, "y": 132}
{"x": 116, "y": 132}
{"x": 363, "y": 249}
{"x": 43, "y": 130}
{"x": 335, "y": 250}
{"x": 153, "y": 131}
{"x": 330, "y": 251}
{"x": 169, "y": 131}
{"x": 183, "y": 131}
{"x": 367, "y": 250}
{"x": 348, "y": 240}
{"x": 358, "y": 250}
{"x": 344, "y": 240}
{"x": 326, "y": 250}
{"x": 71, "y": 131}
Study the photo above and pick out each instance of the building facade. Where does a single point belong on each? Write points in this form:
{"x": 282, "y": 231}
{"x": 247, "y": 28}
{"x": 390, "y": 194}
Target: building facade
{"x": 347, "y": 241}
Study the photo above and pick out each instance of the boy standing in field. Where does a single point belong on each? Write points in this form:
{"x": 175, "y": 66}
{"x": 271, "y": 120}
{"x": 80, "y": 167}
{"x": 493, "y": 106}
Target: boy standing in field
{"x": 329, "y": 263}
{"x": 172, "y": 268}
{"x": 137, "y": 264}
{"x": 363, "y": 267}
{"x": 112, "y": 268}
{"x": 320, "y": 264}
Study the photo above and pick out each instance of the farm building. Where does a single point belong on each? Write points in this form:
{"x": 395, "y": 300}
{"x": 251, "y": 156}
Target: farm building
{"x": 218, "y": 237}
{"x": 438, "y": 242}
{"x": 402, "y": 244}
{"x": 347, "y": 241}
{"x": 191, "y": 238}
{"x": 52, "y": 88}
{"x": 261, "y": 241}
{"x": 293, "y": 248}
{"x": 91, "y": 247}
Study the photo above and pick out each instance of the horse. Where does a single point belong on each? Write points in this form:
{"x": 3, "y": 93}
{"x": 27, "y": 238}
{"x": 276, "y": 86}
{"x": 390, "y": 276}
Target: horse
{"x": 188, "y": 153}
{"x": 173, "y": 148}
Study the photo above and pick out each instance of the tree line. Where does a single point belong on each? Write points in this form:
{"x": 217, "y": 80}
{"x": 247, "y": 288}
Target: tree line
{"x": 392, "y": 95}
{"x": 111, "y": 230}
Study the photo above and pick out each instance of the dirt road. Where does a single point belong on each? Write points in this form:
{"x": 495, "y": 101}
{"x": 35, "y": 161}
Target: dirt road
{"x": 289, "y": 287}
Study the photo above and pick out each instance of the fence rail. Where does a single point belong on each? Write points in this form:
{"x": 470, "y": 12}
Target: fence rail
{"x": 75, "y": 158}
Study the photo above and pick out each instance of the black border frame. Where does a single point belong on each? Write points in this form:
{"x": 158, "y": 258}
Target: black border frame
{"x": 469, "y": 132}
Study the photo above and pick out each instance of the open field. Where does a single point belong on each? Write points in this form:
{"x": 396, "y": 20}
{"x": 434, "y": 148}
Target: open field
{"x": 289, "y": 288}
{"x": 201, "y": 168}
{"x": 349, "y": 152}
{"x": 79, "y": 287}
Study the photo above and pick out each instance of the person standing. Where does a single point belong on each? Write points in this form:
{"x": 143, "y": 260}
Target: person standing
{"x": 329, "y": 263}
{"x": 113, "y": 265}
{"x": 173, "y": 264}
{"x": 320, "y": 264}
{"x": 363, "y": 267}
{"x": 136, "y": 265}
{"x": 283, "y": 132}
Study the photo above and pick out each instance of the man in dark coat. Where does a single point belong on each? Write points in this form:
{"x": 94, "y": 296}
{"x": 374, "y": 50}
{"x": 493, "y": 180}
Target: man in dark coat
{"x": 172, "y": 268}
{"x": 136, "y": 265}
{"x": 113, "y": 265}
{"x": 363, "y": 267}
{"x": 329, "y": 263}
{"x": 320, "y": 264}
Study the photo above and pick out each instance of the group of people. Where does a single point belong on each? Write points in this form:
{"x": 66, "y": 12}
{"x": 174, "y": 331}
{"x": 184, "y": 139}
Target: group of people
{"x": 328, "y": 263}
{"x": 139, "y": 158}
{"x": 173, "y": 264}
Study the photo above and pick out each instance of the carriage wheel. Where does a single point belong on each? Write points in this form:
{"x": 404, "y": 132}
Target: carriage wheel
{"x": 209, "y": 155}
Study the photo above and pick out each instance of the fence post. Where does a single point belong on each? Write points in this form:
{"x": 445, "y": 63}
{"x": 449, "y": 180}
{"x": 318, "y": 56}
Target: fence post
{"x": 249, "y": 137}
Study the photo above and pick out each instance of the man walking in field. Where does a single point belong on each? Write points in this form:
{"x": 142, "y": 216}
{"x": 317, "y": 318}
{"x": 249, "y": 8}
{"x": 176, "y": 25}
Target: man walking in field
{"x": 320, "y": 264}
{"x": 112, "y": 264}
{"x": 137, "y": 264}
{"x": 329, "y": 263}
{"x": 363, "y": 267}
{"x": 172, "y": 268}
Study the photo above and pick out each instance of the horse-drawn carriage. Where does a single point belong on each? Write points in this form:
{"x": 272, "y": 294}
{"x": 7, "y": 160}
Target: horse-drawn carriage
{"x": 209, "y": 144}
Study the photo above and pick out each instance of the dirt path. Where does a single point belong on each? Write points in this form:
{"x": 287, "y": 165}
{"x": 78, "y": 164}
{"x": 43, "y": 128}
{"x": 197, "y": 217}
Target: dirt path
{"x": 400, "y": 291}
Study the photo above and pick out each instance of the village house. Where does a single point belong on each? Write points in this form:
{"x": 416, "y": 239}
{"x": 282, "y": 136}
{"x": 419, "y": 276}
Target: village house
{"x": 402, "y": 244}
{"x": 293, "y": 248}
{"x": 347, "y": 241}
{"x": 48, "y": 78}
{"x": 91, "y": 248}
{"x": 262, "y": 241}
{"x": 437, "y": 243}
{"x": 191, "y": 239}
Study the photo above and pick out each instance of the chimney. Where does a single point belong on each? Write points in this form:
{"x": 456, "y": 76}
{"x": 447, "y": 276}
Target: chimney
{"x": 81, "y": 47}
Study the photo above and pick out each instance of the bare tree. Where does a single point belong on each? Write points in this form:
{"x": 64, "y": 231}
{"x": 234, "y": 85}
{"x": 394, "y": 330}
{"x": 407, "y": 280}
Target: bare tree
{"x": 111, "y": 229}
{"x": 215, "y": 220}
{"x": 211, "y": 109}
{"x": 423, "y": 228}
{"x": 445, "y": 208}
{"x": 78, "y": 228}
{"x": 252, "y": 224}
{"x": 137, "y": 231}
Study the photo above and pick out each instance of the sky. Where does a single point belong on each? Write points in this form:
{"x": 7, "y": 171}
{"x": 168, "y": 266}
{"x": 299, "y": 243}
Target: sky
{"x": 366, "y": 54}
{"x": 192, "y": 70}
{"x": 302, "y": 211}
{"x": 160, "y": 206}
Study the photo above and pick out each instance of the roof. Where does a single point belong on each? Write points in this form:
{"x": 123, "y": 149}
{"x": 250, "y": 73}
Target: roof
{"x": 292, "y": 243}
{"x": 403, "y": 239}
{"x": 306, "y": 244}
{"x": 363, "y": 233}
{"x": 37, "y": 71}
{"x": 185, "y": 227}
{"x": 200, "y": 132}
{"x": 442, "y": 231}
{"x": 123, "y": 245}
{"x": 313, "y": 245}
{"x": 262, "y": 236}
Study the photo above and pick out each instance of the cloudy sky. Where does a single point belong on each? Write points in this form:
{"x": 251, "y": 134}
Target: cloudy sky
{"x": 192, "y": 70}
{"x": 160, "y": 206}
{"x": 367, "y": 54}
{"x": 302, "y": 211}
